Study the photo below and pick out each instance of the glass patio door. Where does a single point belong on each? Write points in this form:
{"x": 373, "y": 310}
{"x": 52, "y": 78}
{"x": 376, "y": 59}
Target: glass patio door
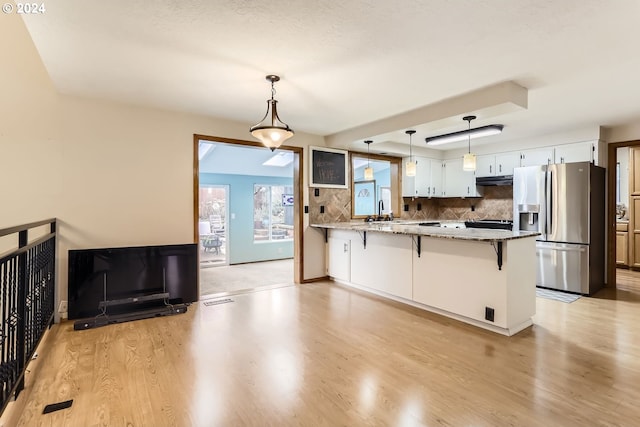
{"x": 213, "y": 225}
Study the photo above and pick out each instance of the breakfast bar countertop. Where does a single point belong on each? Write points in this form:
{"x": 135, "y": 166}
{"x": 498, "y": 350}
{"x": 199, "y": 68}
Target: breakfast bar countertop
{"x": 413, "y": 228}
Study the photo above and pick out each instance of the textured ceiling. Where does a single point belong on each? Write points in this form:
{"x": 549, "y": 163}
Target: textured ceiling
{"x": 345, "y": 64}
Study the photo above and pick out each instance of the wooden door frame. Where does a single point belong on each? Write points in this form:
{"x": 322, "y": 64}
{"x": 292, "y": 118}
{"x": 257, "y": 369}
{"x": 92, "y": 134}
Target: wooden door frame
{"x": 298, "y": 235}
{"x": 612, "y": 157}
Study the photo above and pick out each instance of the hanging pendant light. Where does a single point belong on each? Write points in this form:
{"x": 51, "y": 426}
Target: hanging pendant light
{"x": 469, "y": 159}
{"x": 411, "y": 164}
{"x": 368, "y": 171}
{"x": 271, "y": 131}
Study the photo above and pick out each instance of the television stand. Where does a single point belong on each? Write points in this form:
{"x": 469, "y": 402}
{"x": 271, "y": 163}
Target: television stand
{"x": 105, "y": 319}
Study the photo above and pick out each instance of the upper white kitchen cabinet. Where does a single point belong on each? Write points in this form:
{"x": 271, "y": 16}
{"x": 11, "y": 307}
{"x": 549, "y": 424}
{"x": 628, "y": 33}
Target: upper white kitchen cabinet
{"x": 576, "y": 152}
{"x": 537, "y": 156}
{"x": 497, "y": 164}
{"x": 486, "y": 165}
{"x": 458, "y": 182}
{"x": 506, "y": 162}
{"x": 408, "y": 182}
{"x": 428, "y": 179}
{"x": 419, "y": 185}
{"x": 436, "y": 178}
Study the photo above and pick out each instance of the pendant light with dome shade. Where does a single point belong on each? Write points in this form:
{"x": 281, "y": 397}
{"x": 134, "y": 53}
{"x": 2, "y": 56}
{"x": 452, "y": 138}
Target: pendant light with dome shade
{"x": 411, "y": 164}
{"x": 271, "y": 131}
{"x": 469, "y": 159}
{"x": 368, "y": 171}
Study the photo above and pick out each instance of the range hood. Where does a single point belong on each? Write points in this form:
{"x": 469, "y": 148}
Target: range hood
{"x": 494, "y": 180}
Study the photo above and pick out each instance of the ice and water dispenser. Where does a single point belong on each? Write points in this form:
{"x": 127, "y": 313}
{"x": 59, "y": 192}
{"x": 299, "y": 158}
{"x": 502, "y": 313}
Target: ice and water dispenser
{"x": 528, "y": 217}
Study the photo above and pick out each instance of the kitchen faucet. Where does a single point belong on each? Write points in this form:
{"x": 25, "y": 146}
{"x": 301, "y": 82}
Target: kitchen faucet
{"x": 380, "y": 208}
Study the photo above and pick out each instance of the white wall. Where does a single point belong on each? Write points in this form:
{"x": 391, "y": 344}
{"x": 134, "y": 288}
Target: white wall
{"x": 623, "y": 133}
{"x": 128, "y": 175}
{"x": 113, "y": 174}
{"x": 30, "y": 142}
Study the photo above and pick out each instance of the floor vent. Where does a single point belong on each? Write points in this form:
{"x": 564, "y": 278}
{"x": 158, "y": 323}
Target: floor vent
{"x": 218, "y": 301}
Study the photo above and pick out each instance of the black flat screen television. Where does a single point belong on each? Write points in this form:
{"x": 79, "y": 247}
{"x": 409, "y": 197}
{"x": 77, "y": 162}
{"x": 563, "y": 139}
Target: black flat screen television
{"x": 131, "y": 278}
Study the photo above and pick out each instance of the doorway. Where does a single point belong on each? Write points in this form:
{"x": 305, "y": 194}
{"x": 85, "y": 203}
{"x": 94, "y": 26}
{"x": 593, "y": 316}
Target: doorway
{"x": 622, "y": 267}
{"x": 248, "y": 202}
{"x": 213, "y": 225}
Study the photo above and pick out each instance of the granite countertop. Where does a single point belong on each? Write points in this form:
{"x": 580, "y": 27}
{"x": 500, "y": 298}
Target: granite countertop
{"x": 412, "y": 228}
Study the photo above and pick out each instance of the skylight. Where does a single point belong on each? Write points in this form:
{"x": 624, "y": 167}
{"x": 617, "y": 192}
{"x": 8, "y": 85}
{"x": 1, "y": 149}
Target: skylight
{"x": 204, "y": 148}
{"x": 281, "y": 159}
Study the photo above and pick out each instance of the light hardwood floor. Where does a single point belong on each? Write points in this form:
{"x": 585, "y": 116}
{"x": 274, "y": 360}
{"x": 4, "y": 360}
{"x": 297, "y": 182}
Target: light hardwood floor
{"x": 324, "y": 355}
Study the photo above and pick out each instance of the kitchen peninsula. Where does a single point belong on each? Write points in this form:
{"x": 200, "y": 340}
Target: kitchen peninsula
{"x": 483, "y": 277}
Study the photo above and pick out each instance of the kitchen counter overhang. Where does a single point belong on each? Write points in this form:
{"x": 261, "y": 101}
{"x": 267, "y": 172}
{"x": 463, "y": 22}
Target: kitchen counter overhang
{"x": 479, "y": 234}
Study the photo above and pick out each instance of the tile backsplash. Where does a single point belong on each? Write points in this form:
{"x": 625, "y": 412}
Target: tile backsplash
{"x": 336, "y": 203}
{"x": 497, "y": 203}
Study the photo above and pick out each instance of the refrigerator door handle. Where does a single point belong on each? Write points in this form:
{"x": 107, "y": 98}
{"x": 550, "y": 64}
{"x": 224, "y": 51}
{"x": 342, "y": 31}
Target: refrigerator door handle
{"x": 548, "y": 177}
{"x": 565, "y": 249}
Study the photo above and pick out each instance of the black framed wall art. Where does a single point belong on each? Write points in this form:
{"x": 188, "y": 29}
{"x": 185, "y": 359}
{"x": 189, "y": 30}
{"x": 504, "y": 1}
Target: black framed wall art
{"x": 328, "y": 168}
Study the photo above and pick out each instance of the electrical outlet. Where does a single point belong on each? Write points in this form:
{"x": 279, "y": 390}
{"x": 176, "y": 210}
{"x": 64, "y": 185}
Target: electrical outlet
{"x": 62, "y": 308}
{"x": 489, "y": 314}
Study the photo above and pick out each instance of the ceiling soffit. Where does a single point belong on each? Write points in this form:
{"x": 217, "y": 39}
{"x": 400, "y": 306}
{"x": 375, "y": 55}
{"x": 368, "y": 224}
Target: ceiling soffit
{"x": 441, "y": 117}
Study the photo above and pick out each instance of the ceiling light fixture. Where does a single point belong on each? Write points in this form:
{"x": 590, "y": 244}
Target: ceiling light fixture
{"x": 469, "y": 159}
{"x": 464, "y": 134}
{"x": 411, "y": 164}
{"x": 368, "y": 171}
{"x": 272, "y": 131}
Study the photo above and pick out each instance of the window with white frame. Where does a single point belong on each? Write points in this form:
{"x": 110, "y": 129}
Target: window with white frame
{"x": 272, "y": 212}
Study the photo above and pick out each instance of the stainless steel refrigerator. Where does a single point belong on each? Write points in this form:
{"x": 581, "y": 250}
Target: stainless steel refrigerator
{"x": 565, "y": 203}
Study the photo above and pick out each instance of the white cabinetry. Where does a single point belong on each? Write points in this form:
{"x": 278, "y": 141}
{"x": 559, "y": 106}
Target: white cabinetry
{"x": 419, "y": 185}
{"x": 537, "y": 156}
{"x": 339, "y": 260}
{"x": 436, "y": 178}
{"x": 486, "y": 165}
{"x": 577, "y": 152}
{"x": 506, "y": 162}
{"x": 458, "y": 182}
{"x": 408, "y": 182}
{"x": 497, "y": 164}
{"x": 428, "y": 179}
{"x": 384, "y": 264}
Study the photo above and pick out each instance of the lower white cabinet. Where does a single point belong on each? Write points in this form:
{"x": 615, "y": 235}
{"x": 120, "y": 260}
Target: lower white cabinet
{"x": 384, "y": 264}
{"x": 339, "y": 259}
